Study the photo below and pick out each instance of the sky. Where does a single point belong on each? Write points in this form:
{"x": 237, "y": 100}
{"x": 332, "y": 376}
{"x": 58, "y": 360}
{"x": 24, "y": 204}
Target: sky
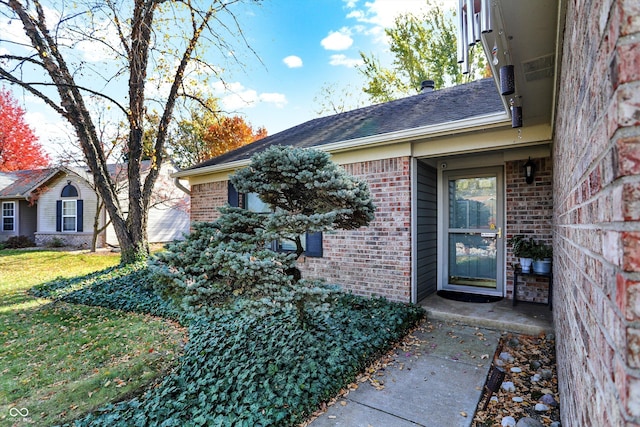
{"x": 299, "y": 46}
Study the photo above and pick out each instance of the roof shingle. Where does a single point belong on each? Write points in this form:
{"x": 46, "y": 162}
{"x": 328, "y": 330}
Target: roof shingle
{"x": 425, "y": 109}
{"x": 20, "y": 183}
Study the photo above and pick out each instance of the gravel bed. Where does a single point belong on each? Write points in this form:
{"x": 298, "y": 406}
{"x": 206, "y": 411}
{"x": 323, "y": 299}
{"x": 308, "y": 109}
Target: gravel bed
{"x": 528, "y": 396}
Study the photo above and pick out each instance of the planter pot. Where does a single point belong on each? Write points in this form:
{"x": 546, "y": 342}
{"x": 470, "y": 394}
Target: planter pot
{"x": 525, "y": 264}
{"x": 542, "y": 266}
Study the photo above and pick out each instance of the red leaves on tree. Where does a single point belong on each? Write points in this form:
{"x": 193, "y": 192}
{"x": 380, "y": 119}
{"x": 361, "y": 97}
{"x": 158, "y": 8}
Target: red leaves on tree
{"x": 19, "y": 147}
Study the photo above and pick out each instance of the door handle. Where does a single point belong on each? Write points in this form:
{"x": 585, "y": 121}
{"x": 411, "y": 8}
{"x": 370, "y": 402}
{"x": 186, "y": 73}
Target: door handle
{"x": 493, "y": 234}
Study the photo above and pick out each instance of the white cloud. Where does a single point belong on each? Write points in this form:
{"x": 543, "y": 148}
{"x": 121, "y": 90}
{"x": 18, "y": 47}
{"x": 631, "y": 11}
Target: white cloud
{"x": 13, "y": 34}
{"x": 54, "y": 134}
{"x": 358, "y": 15}
{"x": 384, "y": 12}
{"x": 95, "y": 51}
{"x": 293, "y": 61}
{"x": 373, "y": 16}
{"x": 234, "y": 96}
{"x": 341, "y": 59}
{"x": 337, "y": 40}
{"x": 277, "y": 99}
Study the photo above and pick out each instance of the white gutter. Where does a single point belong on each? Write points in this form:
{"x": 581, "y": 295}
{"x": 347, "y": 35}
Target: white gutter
{"x": 465, "y": 125}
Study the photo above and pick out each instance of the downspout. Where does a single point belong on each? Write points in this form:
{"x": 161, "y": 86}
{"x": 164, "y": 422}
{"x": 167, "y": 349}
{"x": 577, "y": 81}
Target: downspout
{"x": 178, "y": 184}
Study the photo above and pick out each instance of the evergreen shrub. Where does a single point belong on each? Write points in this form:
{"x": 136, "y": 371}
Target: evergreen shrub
{"x": 218, "y": 261}
{"x": 18, "y": 242}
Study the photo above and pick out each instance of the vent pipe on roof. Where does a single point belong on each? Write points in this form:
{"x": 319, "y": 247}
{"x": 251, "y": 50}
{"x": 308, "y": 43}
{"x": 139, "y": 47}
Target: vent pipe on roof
{"x": 427, "y": 86}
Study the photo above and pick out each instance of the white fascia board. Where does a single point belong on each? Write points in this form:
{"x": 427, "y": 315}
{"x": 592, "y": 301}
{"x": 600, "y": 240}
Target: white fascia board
{"x": 448, "y": 128}
{"x": 223, "y": 167}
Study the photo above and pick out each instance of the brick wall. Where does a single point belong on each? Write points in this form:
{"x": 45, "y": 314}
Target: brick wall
{"x": 374, "y": 260}
{"x": 205, "y": 200}
{"x": 76, "y": 240}
{"x": 597, "y": 215}
{"x": 530, "y": 213}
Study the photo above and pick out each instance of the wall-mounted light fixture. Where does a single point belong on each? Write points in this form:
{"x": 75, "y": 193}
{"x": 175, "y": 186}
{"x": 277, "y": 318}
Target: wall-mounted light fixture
{"x": 529, "y": 171}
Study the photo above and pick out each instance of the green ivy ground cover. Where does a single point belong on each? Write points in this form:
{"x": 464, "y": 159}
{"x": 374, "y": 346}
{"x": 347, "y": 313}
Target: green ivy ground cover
{"x": 244, "y": 367}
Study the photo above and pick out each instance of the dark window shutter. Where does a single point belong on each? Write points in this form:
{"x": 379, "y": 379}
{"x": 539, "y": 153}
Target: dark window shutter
{"x": 233, "y": 196}
{"x": 79, "y": 216}
{"x": 58, "y": 215}
{"x": 314, "y": 245}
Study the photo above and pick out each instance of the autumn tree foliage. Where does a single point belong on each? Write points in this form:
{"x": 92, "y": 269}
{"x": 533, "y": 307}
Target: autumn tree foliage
{"x": 207, "y": 134}
{"x": 230, "y": 133}
{"x": 19, "y": 147}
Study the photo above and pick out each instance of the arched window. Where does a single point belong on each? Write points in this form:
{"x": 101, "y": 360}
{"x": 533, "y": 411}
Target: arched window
{"x": 69, "y": 215}
{"x": 69, "y": 190}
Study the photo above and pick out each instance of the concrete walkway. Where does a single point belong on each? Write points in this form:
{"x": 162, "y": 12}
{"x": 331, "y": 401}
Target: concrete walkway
{"x": 437, "y": 381}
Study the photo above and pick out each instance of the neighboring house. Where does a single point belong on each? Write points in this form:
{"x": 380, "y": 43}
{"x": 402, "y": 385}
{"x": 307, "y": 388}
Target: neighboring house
{"x": 60, "y": 205}
{"x": 446, "y": 170}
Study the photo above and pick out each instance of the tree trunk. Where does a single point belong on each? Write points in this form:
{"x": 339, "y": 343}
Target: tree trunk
{"x": 129, "y": 224}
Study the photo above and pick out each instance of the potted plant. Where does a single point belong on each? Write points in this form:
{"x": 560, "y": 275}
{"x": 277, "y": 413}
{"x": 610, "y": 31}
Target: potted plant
{"x": 523, "y": 249}
{"x": 542, "y": 254}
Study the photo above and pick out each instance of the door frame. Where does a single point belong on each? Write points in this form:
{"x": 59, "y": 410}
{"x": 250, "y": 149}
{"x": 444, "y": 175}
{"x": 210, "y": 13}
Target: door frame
{"x": 467, "y": 170}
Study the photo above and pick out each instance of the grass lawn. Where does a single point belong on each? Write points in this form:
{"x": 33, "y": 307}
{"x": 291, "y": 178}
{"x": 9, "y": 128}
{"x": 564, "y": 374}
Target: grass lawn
{"x": 61, "y": 360}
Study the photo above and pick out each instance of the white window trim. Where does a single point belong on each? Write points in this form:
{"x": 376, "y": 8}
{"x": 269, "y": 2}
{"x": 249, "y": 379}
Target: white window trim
{"x": 12, "y": 216}
{"x": 74, "y": 216}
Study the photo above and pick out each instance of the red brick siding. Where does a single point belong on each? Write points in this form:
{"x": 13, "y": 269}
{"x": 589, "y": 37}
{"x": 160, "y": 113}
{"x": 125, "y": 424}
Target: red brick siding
{"x": 530, "y": 213}
{"x": 597, "y": 212}
{"x": 205, "y": 200}
{"x": 374, "y": 260}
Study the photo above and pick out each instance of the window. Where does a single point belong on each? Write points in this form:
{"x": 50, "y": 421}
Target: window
{"x": 8, "y": 216}
{"x": 69, "y": 190}
{"x": 254, "y": 204}
{"x": 290, "y": 246}
{"x": 69, "y": 215}
{"x": 311, "y": 242}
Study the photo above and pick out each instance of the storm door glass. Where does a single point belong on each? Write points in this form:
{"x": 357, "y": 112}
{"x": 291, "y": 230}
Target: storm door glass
{"x": 473, "y": 232}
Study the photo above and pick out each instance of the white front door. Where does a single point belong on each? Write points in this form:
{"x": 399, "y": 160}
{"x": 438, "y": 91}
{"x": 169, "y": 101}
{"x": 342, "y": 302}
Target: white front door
{"x": 473, "y": 224}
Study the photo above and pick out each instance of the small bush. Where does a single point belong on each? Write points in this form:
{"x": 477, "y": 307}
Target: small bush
{"x": 19, "y": 242}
